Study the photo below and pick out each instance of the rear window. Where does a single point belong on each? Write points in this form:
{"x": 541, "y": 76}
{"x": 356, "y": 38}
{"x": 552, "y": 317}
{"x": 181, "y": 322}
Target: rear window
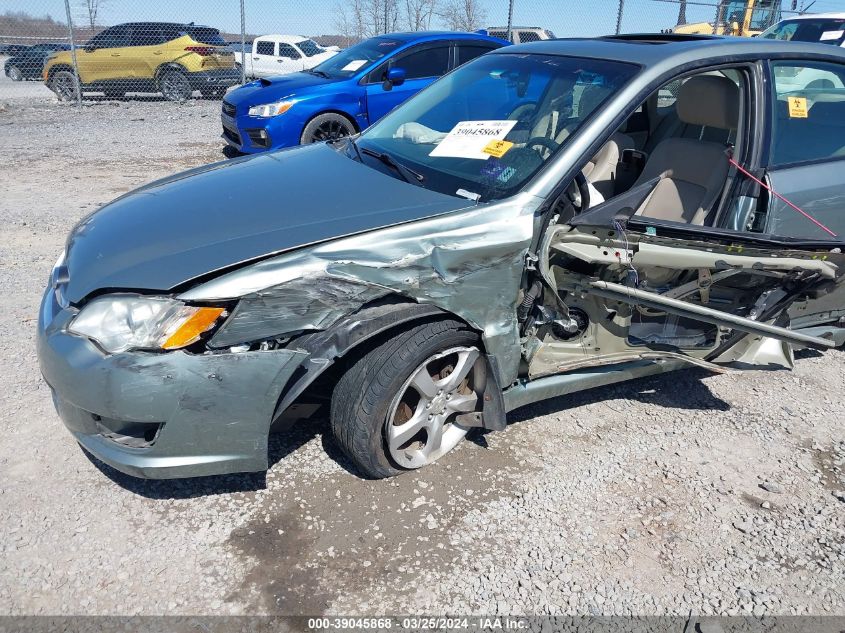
{"x": 529, "y": 36}
{"x": 809, "y": 117}
{"x": 265, "y": 48}
{"x": 204, "y": 35}
{"x": 467, "y": 53}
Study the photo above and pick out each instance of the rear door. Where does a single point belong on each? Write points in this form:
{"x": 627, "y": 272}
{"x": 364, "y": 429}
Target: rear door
{"x": 806, "y": 166}
{"x": 422, "y": 65}
{"x": 264, "y": 55}
{"x": 146, "y": 50}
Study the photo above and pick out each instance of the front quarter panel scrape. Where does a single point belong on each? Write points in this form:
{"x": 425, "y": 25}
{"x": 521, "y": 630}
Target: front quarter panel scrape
{"x": 468, "y": 263}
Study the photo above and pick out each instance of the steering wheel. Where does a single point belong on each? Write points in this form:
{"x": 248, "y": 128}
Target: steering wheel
{"x": 583, "y": 191}
{"x": 542, "y": 141}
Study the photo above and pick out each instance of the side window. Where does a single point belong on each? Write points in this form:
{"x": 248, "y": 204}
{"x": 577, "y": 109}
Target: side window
{"x": 528, "y": 36}
{"x": 147, "y": 35}
{"x": 429, "y": 62}
{"x": 263, "y": 47}
{"x": 115, "y": 37}
{"x": 502, "y": 35}
{"x": 468, "y": 52}
{"x": 809, "y": 112}
{"x": 286, "y": 50}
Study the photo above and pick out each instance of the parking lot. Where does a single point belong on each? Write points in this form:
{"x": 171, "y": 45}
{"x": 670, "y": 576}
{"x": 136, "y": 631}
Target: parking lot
{"x": 685, "y": 492}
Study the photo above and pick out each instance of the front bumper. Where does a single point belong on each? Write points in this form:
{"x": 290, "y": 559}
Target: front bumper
{"x": 166, "y": 415}
{"x": 216, "y": 78}
{"x": 241, "y": 131}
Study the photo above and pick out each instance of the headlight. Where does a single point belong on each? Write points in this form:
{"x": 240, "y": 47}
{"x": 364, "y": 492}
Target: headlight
{"x": 271, "y": 109}
{"x": 121, "y": 322}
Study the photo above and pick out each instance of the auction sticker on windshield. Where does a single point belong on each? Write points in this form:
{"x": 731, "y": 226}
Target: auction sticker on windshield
{"x": 469, "y": 139}
{"x": 354, "y": 65}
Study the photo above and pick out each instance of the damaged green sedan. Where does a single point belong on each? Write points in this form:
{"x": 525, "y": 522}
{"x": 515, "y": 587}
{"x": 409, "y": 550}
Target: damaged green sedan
{"x": 548, "y": 218}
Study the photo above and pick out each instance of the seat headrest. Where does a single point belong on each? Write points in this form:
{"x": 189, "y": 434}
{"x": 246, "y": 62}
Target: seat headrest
{"x": 709, "y": 100}
{"x": 591, "y": 97}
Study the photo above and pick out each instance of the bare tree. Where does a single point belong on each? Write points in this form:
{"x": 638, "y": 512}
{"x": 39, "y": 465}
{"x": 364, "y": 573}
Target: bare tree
{"x": 366, "y": 18}
{"x": 349, "y": 19}
{"x": 93, "y": 8}
{"x": 419, "y": 13}
{"x": 463, "y": 15}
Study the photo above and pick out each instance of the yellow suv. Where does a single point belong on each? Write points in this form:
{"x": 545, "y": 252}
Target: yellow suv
{"x": 173, "y": 59}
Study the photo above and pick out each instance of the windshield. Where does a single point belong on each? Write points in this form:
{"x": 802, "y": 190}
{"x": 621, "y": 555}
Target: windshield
{"x": 824, "y": 30}
{"x": 309, "y": 47}
{"x": 482, "y": 131}
{"x": 348, "y": 62}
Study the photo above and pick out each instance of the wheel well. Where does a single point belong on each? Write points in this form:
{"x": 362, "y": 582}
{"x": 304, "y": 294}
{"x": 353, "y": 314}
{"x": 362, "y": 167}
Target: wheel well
{"x": 168, "y": 66}
{"x": 345, "y": 115}
{"x": 56, "y": 68}
{"x": 349, "y": 339}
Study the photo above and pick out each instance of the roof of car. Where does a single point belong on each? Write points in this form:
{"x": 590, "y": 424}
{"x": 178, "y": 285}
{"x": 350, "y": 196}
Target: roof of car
{"x": 651, "y": 49}
{"x": 815, "y": 16}
{"x": 285, "y": 39}
{"x": 434, "y": 35}
{"x": 174, "y": 24}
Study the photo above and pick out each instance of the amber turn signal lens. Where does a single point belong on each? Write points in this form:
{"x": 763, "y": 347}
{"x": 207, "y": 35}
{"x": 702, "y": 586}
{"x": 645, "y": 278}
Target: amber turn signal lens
{"x": 199, "y": 322}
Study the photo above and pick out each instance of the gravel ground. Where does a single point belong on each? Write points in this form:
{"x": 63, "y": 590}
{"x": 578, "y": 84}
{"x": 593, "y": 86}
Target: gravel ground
{"x": 676, "y": 494}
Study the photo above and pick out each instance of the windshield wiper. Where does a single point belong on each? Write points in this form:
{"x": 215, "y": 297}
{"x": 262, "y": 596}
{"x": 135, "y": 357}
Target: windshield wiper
{"x": 411, "y": 176}
{"x": 319, "y": 73}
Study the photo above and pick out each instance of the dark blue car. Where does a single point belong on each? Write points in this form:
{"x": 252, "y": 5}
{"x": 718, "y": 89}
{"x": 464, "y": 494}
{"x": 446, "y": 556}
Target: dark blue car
{"x": 346, "y": 93}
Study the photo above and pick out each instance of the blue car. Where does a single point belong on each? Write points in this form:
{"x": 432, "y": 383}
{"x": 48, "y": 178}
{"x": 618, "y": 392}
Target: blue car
{"x": 346, "y": 93}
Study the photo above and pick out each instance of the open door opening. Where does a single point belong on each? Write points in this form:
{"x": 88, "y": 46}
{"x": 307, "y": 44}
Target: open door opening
{"x": 614, "y": 294}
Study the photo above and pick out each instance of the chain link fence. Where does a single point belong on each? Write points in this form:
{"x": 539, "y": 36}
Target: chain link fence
{"x": 180, "y": 49}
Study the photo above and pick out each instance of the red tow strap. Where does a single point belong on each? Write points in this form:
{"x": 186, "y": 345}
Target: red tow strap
{"x": 780, "y": 197}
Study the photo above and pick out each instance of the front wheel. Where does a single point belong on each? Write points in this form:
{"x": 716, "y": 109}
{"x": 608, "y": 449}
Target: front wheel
{"x": 399, "y": 407}
{"x": 65, "y": 85}
{"x": 14, "y": 73}
{"x": 174, "y": 85}
{"x": 327, "y": 127}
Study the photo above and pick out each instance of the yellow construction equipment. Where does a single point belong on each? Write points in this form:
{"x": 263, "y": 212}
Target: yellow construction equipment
{"x": 742, "y": 18}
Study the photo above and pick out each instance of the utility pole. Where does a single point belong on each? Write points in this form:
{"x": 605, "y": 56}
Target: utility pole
{"x": 619, "y": 17}
{"x": 73, "y": 54}
{"x": 243, "y": 44}
{"x": 510, "y": 21}
{"x": 720, "y": 17}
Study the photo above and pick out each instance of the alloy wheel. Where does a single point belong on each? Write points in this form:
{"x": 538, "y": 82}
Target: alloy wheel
{"x": 331, "y": 131}
{"x": 65, "y": 85}
{"x": 422, "y": 424}
{"x": 175, "y": 86}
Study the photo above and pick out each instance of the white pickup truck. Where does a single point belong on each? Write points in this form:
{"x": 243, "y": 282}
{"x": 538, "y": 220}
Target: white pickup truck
{"x": 282, "y": 54}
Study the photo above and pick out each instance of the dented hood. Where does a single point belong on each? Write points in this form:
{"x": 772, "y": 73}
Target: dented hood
{"x": 215, "y": 217}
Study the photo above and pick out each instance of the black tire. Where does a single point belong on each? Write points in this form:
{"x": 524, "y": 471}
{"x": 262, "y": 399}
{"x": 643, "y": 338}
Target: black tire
{"x": 366, "y": 394}
{"x": 174, "y": 85}
{"x": 327, "y": 127}
{"x": 65, "y": 85}
{"x": 113, "y": 93}
{"x": 230, "y": 152}
{"x": 14, "y": 73}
